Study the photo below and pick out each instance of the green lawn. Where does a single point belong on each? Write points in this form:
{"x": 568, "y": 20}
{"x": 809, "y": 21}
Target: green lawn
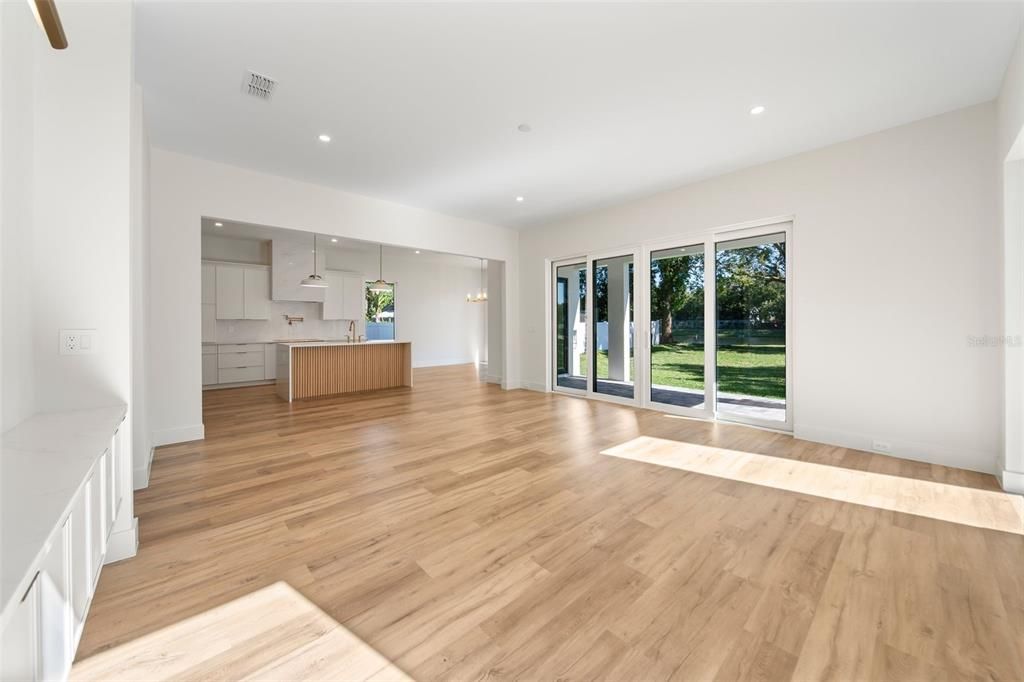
{"x": 757, "y": 370}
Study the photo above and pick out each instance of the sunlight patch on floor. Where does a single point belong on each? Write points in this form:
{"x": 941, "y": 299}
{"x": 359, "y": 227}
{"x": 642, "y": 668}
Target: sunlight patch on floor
{"x": 272, "y": 634}
{"x": 957, "y": 504}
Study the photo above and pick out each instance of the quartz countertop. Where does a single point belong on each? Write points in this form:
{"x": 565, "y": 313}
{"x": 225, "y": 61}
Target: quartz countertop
{"x": 303, "y": 344}
{"x": 43, "y": 463}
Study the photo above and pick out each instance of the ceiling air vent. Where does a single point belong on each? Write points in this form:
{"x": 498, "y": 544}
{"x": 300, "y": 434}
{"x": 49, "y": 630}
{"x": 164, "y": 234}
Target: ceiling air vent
{"x": 258, "y": 85}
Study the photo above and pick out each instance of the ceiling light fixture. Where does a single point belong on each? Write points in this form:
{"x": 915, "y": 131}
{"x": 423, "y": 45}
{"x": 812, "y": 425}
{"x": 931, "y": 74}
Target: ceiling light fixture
{"x": 520, "y": 199}
{"x": 417, "y": 251}
{"x": 218, "y": 224}
{"x": 46, "y": 15}
{"x": 334, "y": 240}
{"x": 524, "y": 128}
{"x": 380, "y": 285}
{"x": 314, "y": 281}
{"x": 757, "y": 111}
{"x": 324, "y": 137}
{"x": 481, "y": 294}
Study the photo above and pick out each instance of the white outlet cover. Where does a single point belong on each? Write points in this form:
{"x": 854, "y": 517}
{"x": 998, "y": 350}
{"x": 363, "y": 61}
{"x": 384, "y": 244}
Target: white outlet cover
{"x": 77, "y": 341}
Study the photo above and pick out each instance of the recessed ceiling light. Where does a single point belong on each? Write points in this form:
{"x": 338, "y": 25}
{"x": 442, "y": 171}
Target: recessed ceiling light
{"x": 417, "y": 251}
{"x": 218, "y": 224}
{"x": 520, "y": 199}
{"x": 524, "y": 128}
{"x": 759, "y": 109}
{"x": 334, "y": 240}
{"x": 324, "y": 137}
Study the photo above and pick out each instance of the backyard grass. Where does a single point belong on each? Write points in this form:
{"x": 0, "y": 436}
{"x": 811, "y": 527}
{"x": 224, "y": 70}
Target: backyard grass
{"x": 754, "y": 370}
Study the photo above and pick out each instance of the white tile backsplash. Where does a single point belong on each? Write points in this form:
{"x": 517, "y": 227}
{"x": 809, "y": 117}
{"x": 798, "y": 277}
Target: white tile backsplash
{"x": 277, "y": 328}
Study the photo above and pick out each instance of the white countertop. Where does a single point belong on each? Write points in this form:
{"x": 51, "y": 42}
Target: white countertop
{"x": 304, "y": 344}
{"x": 43, "y": 463}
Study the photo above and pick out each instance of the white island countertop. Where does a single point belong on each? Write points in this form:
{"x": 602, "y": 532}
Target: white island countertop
{"x": 303, "y": 344}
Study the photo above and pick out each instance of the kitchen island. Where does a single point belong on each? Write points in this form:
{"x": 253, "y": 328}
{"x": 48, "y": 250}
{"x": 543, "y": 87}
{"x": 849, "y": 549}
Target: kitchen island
{"x": 314, "y": 369}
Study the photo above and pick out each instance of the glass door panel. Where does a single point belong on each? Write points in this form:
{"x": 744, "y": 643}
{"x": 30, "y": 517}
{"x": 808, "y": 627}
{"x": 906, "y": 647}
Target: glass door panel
{"x": 750, "y": 323}
{"x": 570, "y": 328}
{"x": 677, "y": 327}
{"x": 612, "y": 329}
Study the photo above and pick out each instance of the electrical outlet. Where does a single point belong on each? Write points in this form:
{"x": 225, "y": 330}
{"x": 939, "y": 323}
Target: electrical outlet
{"x": 77, "y": 341}
{"x": 881, "y": 446}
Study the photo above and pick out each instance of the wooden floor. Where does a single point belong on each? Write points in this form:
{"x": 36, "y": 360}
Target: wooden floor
{"x": 465, "y": 532}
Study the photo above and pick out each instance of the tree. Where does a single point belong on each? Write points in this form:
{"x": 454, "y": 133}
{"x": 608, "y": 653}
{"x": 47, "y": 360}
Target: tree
{"x": 677, "y": 286}
{"x": 378, "y": 302}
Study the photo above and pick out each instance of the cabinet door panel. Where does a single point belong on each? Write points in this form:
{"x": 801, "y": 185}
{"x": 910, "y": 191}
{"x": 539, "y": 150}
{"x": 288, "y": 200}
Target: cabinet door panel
{"x": 209, "y": 282}
{"x": 209, "y": 369}
{"x": 19, "y": 641}
{"x": 230, "y": 293}
{"x": 257, "y": 294}
{"x": 55, "y": 610}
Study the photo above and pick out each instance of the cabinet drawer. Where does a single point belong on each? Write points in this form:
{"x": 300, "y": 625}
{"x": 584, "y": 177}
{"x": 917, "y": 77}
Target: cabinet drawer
{"x": 239, "y": 347}
{"x": 209, "y": 350}
{"x": 230, "y": 375}
{"x": 241, "y": 359}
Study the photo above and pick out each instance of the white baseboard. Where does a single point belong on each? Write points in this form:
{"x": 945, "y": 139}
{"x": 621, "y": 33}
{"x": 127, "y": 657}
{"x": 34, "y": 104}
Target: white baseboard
{"x": 930, "y": 453}
{"x": 123, "y": 544}
{"x": 140, "y": 477}
{"x": 181, "y": 434}
{"x": 533, "y": 386}
{"x": 1012, "y": 481}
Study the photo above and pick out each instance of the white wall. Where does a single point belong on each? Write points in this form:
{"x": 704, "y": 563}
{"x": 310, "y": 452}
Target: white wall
{"x": 17, "y": 50}
{"x": 1010, "y": 164}
{"x": 430, "y": 301}
{"x": 895, "y": 245}
{"x": 70, "y": 221}
{"x": 183, "y": 189}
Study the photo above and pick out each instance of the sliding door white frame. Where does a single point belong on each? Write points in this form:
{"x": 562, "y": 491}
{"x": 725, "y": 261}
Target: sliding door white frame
{"x": 552, "y": 325}
{"x": 710, "y": 303}
{"x": 638, "y": 362}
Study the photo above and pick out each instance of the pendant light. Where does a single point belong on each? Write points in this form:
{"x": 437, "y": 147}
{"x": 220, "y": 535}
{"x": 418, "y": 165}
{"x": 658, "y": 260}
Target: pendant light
{"x": 380, "y": 285}
{"x": 315, "y": 281}
{"x": 481, "y": 294}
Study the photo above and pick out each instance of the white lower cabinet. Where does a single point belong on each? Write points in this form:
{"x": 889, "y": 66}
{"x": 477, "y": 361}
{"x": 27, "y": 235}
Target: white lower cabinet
{"x": 270, "y": 361}
{"x": 40, "y": 635}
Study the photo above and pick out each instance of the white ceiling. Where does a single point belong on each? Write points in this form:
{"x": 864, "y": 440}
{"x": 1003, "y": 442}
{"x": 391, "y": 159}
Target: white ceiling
{"x": 423, "y": 100}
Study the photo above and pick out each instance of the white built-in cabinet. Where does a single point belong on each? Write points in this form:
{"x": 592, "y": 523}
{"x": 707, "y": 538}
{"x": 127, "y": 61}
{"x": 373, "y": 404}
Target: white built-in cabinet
{"x": 241, "y": 292}
{"x": 344, "y": 296}
{"x": 209, "y": 365}
{"x": 43, "y": 622}
{"x": 270, "y": 361}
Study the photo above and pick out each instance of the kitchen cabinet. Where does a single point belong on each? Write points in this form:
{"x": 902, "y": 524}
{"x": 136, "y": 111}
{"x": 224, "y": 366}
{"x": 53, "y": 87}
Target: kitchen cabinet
{"x": 256, "y": 303}
{"x": 242, "y": 292}
{"x": 270, "y": 361}
{"x": 209, "y": 284}
{"x": 230, "y": 292}
{"x": 344, "y": 296}
{"x": 209, "y": 365}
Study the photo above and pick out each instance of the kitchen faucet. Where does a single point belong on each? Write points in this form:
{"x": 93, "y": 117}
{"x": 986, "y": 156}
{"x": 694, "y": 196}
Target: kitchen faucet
{"x": 351, "y": 331}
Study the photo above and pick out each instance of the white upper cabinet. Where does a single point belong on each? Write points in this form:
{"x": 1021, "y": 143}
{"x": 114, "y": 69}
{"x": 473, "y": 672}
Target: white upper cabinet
{"x": 209, "y": 296}
{"x": 242, "y": 292}
{"x": 343, "y": 297}
{"x": 230, "y": 292}
{"x": 292, "y": 260}
{"x": 257, "y": 294}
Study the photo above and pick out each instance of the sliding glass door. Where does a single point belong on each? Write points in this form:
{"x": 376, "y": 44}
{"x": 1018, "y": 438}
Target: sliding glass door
{"x": 676, "y": 296}
{"x": 750, "y": 323}
{"x": 569, "y": 326}
{"x": 613, "y": 360}
{"x": 713, "y": 313}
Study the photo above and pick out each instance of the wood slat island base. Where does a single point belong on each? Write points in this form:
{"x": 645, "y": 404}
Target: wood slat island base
{"x": 313, "y": 370}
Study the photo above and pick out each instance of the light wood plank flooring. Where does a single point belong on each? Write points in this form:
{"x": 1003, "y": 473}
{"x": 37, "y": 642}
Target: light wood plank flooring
{"x": 465, "y": 532}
